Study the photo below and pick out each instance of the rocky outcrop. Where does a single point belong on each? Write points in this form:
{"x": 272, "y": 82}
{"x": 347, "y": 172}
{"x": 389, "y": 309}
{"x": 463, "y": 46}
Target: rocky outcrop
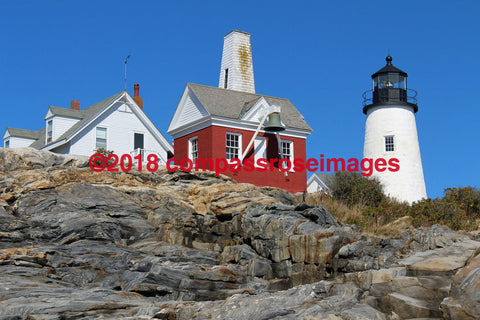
{"x": 76, "y": 244}
{"x": 464, "y": 300}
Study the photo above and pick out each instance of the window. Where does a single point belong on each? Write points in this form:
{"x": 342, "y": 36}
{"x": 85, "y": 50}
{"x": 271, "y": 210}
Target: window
{"x": 49, "y": 130}
{"x": 287, "y": 152}
{"x": 101, "y": 138}
{"x": 225, "y": 84}
{"x": 389, "y": 145}
{"x": 234, "y": 141}
{"x": 193, "y": 148}
{"x": 7, "y": 144}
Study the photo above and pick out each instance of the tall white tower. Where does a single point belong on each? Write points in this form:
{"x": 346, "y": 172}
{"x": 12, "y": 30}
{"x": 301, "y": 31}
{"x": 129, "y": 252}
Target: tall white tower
{"x": 391, "y": 132}
{"x": 236, "y": 72}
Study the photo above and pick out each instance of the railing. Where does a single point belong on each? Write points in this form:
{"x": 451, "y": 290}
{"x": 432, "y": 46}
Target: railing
{"x": 409, "y": 96}
{"x": 145, "y": 153}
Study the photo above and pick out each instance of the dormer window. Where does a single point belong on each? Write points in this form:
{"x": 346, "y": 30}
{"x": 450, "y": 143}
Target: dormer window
{"x": 49, "y": 131}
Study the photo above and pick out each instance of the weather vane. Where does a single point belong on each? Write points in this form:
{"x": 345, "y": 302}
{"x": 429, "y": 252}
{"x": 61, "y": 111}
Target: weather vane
{"x": 126, "y": 71}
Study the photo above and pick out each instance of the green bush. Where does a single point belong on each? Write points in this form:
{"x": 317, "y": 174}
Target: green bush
{"x": 352, "y": 188}
{"x": 466, "y": 198}
{"x": 106, "y": 153}
{"x": 458, "y": 209}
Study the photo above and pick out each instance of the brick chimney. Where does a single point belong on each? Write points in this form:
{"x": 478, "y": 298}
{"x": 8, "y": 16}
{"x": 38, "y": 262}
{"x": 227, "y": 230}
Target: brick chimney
{"x": 75, "y": 105}
{"x": 136, "y": 98}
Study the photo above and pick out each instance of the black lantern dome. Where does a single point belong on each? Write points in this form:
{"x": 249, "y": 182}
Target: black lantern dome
{"x": 389, "y": 87}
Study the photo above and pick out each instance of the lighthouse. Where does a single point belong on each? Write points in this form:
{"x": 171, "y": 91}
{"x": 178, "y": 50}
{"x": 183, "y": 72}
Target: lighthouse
{"x": 391, "y": 132}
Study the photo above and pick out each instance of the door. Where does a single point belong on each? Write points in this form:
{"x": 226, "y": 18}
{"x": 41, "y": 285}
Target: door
{"x": 260, "y": 147}
{"x": 138, "y": 141}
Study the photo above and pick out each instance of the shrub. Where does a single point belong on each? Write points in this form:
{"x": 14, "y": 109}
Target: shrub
{"x": 466, "y": 198}
{"x": 359, "y": 200}
{"x": 106, "y": 153}
{"x": 352, "y": 188}
{"x": 459, "y": 209}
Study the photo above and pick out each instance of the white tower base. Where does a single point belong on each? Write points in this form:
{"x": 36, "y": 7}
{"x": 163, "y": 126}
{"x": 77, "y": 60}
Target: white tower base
{"x": 408, "y": 183}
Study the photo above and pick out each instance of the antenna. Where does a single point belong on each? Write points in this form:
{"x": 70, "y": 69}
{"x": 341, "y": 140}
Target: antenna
{"x": 126, "y": 71}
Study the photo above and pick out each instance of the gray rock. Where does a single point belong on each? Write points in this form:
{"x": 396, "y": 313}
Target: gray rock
{"x": 464, "y": 302}
{"x": 137, "y": 245}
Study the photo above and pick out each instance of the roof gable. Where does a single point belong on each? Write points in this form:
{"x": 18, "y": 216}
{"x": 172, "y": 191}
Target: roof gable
{"x": 93, "y": 112}
{"x": 324, "y": 179}
{"x": 64, "y": 112}
{"x": 87, "y": 115}
{"x": 254, "y": 110}
{"x": 189, "y": 110}
{"x": 230, "y": 104}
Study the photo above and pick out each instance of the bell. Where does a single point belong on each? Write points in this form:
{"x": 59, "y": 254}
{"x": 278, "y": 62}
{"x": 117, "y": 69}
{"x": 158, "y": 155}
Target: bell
{"x": 274, "y": 123}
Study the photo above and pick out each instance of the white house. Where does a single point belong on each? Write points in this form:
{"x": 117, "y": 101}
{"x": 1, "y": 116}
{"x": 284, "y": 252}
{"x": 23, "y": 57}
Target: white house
{"x": 320, "y": 182}
{"x": 117, "y": 124}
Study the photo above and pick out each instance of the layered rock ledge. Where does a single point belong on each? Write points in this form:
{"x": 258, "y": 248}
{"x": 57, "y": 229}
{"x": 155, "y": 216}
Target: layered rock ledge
{"x": 75, "y": 244}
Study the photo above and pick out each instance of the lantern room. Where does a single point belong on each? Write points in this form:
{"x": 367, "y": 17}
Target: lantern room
{"x": 389, "y": 86}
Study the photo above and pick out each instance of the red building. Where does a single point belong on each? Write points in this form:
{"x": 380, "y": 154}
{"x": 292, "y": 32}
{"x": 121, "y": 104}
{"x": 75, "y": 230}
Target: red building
{"x": 230, "y": 122}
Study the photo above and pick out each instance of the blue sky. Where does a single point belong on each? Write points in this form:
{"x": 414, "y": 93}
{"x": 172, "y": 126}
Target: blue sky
{"x": 318, "y": 54}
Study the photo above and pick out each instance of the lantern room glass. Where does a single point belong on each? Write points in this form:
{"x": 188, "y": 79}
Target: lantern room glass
{"x": 389, "y": 80}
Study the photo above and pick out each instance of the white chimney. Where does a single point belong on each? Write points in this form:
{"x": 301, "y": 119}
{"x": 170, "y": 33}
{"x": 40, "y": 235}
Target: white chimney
{"x": 236, "y": 72}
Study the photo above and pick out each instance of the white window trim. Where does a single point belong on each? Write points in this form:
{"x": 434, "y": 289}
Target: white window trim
{"x": 190, "y": 147}
{"x": 6, "y": 144}
{"x": 292, "y": 155}
{"x": 240, "y": 149}
{"x": 106, "y": 137}
{"x": 393, "y": 143}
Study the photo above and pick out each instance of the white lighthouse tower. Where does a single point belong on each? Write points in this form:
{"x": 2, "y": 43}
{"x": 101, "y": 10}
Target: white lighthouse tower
{"x": 391, "y": 132}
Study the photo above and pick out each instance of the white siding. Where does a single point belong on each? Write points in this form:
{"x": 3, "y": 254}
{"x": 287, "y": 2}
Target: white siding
{"x": 237, "y": 58}
{"x": 190, "y": 113}
{"x": 61, "y": 125}
{"x": 121, "y": 127}
{"x": 16, "y": 142}
{"x": 408, "y": 183}
{"x": 313, "y": 186}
